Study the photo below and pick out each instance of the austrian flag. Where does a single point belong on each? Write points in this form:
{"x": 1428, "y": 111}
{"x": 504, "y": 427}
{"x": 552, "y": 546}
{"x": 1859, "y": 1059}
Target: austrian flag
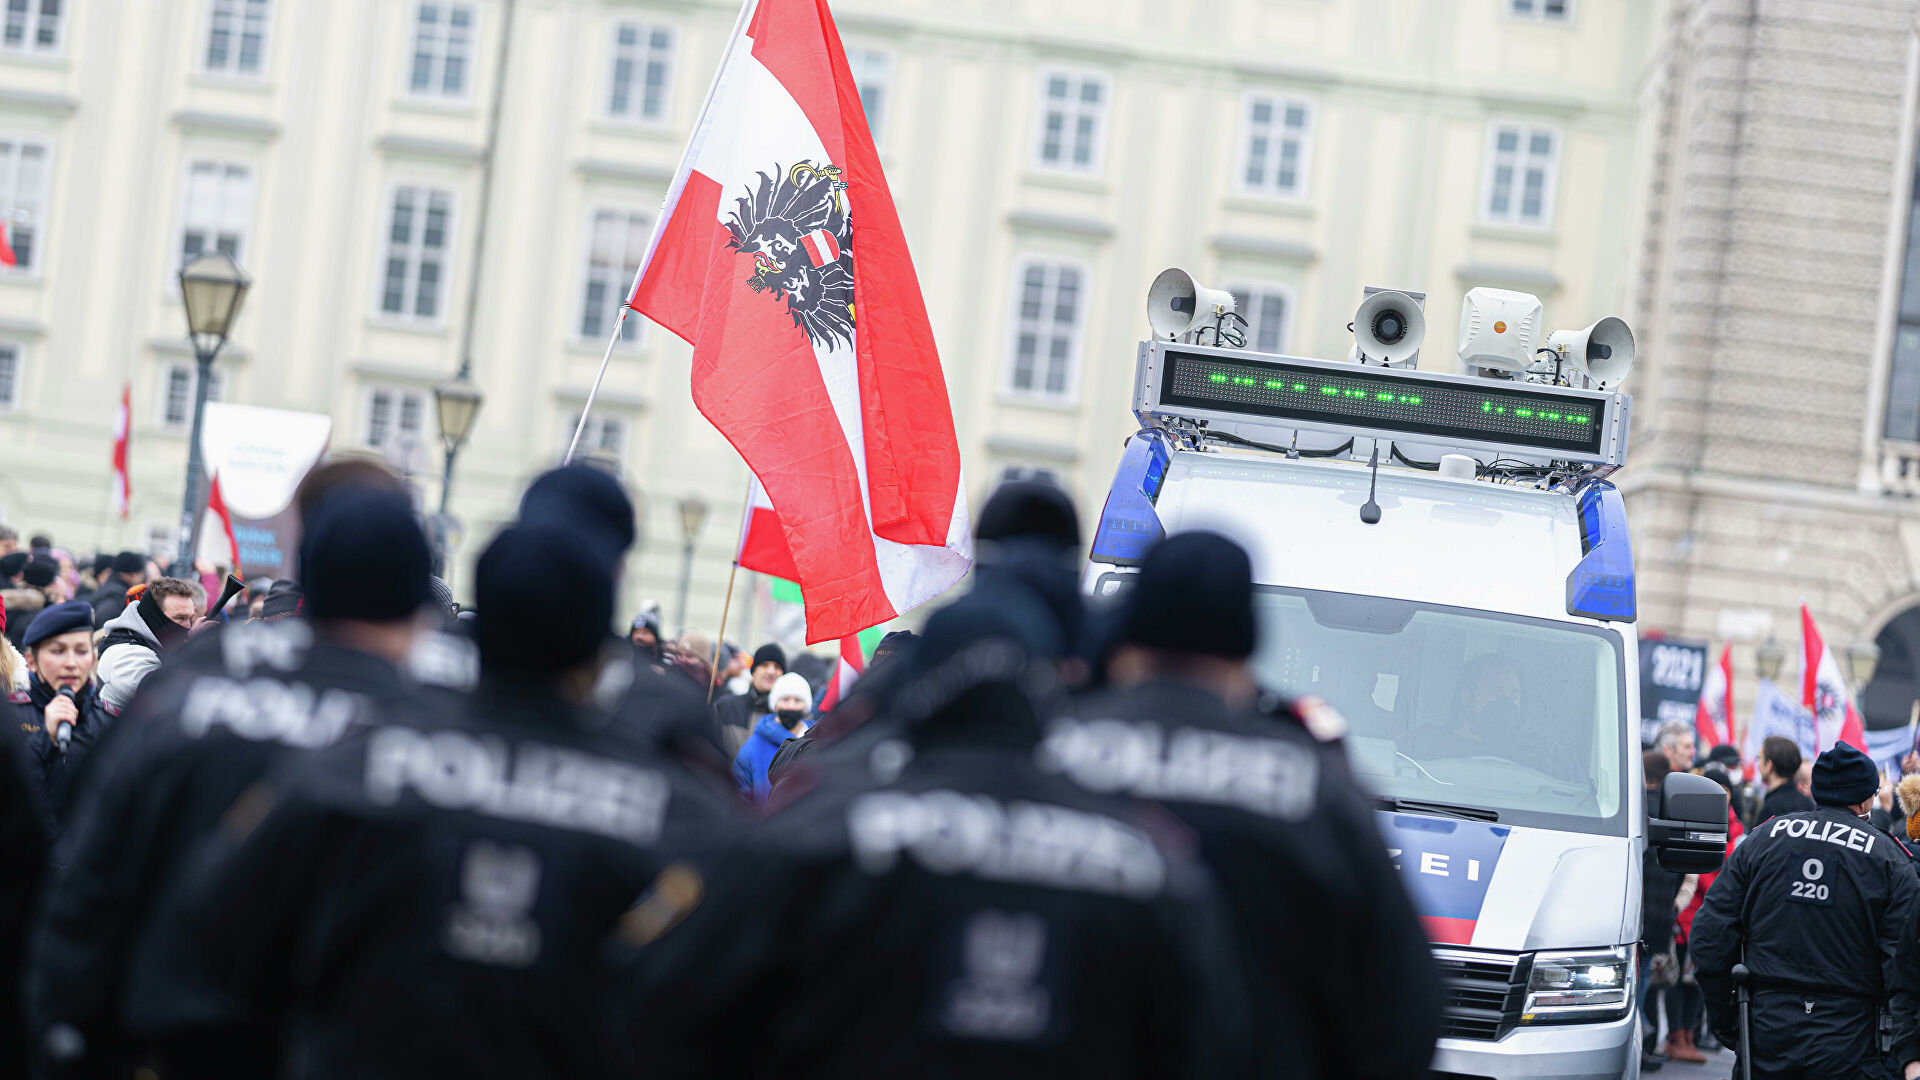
{"x": 780, "y": 257}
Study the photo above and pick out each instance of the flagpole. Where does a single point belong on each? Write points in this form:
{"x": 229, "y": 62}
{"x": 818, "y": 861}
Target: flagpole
{"x": 726, "y": 606}
{"x": 594, "y": 390}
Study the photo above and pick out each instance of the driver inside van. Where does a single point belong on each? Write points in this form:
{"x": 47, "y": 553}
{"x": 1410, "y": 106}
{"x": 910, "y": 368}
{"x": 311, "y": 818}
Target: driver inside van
{"x": 1488, "y": 719}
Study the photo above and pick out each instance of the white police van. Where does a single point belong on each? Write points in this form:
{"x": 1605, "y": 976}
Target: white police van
{"x": 1472, "y": 620}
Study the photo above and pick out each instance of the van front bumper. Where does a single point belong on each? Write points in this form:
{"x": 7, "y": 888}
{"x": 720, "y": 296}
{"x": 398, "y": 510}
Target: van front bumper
{"x": 1565, "y": 1051}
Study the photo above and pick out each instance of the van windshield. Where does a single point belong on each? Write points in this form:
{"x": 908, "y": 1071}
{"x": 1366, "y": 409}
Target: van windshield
{"x": 1455, "y": 706}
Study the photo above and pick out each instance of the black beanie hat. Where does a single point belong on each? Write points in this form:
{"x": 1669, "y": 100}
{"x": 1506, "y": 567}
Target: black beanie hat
{"x": 129, "y": 562}
{"x": 1844, "y": 776}
{"x": 102, "y": 563}
{"x": 1031, "y": 510}
{"x": 770, "y": 652}
{"x": 363, "y": 556}
{"x": 12, "y": 565}
{"x": 544, "y": 595}
{"x": 40, "y": 573}
{"x": 586, "y": 498}
{"x": 1194, "y": 594}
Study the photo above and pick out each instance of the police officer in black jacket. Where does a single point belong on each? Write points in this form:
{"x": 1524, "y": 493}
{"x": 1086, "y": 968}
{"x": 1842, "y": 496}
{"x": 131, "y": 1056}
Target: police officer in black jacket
{"x": 112, "y": 981}
{"x": 60, "y": 690}
{"x": 1814, "y": 904}
{"x": 1330, "y": 943}
{"x": 430, "y": 899}
{"x": 954, "y": 913}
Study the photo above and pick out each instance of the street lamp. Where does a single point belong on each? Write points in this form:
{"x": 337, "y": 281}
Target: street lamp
{"x": 458, "y": 402}
{"x": 211, "y": 289}
{"x": 1863, "y": 659}
{"x": 693, "y": 515}
{"x": 1768, "y": 659}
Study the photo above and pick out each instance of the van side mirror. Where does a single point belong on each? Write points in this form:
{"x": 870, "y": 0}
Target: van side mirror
{"x": 1688, "y": 829}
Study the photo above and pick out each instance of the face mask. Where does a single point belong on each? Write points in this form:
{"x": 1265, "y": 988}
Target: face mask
{"x": 790, "y": 717}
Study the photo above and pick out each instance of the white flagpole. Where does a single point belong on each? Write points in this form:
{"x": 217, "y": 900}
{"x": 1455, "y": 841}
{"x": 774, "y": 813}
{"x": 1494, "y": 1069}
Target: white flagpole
{"x": 667, "y": 206}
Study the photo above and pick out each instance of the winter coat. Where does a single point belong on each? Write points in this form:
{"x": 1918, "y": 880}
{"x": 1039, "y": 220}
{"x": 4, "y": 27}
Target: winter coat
{"x": 756, "y": 754}
{"x": 110, "y": 599}
{"x": 54, "y": 769}
{"x": 734, "y": 715}
{"x": 128, "y": 654}
{"x": 22, "y": 605}
{"x": 429, "y": 897}
{"x": 1785, "y": 799}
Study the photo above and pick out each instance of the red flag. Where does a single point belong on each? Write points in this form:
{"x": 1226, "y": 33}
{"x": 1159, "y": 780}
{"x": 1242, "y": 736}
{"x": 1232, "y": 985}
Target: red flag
{"x": 852, "y": 664}
{"x": 7, "y": 256}
{"x": 763, "y": 546}
{"x": 1713, "y": 717}
{"x": 1824, "y": 693}
{"x": 838, "y": 405}
{"x": 217, "y": 506}
{"x": 122, "y": 425}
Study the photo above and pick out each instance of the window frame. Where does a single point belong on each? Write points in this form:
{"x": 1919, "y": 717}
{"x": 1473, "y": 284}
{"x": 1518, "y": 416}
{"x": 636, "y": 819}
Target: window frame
{"x": 1256, "y": 288}
{"x": 1036, "y": 155}
{"x": 30, "y": 267}
{"x": 383, "y": 253}
{"x": 1076, "y": 343}
{"x": 892, "y": 67}
{"x": 36, "y": 12}
{"x": 1280, "y": 102}
{"x": 1539, "y": 12}
{"x": 216, "y": 392}
{"x": 18, "y": 352}
{"x": 635, "y": 116}
{"x": 635, "y": 323}
{"x": 595, "y": 434}
{"x": 363, "y": 433}
{"x": 439, "y": 75}
{"x": 178, "y": 253}
{"x": 1550, "y": 183}
{"x": 233, "y": 71}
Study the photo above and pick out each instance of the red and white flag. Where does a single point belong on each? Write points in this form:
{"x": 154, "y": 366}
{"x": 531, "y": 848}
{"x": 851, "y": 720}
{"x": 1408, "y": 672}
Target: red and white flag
{"x": 763, "y": 544}
{"x": 122, "y": 425}
{"x": 1713, "y": 717}
{"x": 1824, "y": 693}
{"x": 7, "y": 256}
{"x": 228, "y": 549}
{"x": 852, "y": 664}
{"x": 779, "y": 256}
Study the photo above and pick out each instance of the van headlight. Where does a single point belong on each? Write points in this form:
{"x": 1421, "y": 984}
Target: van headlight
{"x": 1589, "y": 985}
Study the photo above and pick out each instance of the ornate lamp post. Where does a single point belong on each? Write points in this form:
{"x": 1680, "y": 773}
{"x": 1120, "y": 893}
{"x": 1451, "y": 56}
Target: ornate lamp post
{"x": 212, "y": 287}
{"x": 693, "y": 515}
{"x": 458, "y": 402}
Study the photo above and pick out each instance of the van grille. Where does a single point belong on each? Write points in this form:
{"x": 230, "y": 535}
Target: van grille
{"x": 1482, "y": 993}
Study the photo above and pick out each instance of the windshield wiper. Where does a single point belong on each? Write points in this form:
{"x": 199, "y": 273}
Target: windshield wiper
{"x": 1417, "y": 806}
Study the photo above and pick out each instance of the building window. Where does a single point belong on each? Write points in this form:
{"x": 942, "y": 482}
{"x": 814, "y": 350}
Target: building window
{"x": 417, "y": 241}
{"x": 1903, "y": 370}
{"x": 23, "y": 197}
{"x": 1544, "y": 10}
{"x": 1274, "y": 152}
{"x": 216, "y": 210}
{"x": 236, "y": 36}
{"x": 1521, "y": 162}
{"x": 442, "y": 49}
{"x": 1039, "y": 474}
{"x": 1268, "y": 310}
{"x": 1049, "y": 310}
{"x": 394, "y": 417}
{"x": 32, "y": 26}
{"x": 617, "y": 241}
{"x": 642, "y": 64}
{"x": 176, "y": 394}
{"x": 605, "y": 437}
{"x": 873, "y": 74}
{"x": 9, "y": 376}
{"x": 1073, "y": 119}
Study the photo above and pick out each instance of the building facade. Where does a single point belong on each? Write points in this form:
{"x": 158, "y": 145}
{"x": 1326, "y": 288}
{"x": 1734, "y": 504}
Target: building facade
{"x": 1048, "y": 158}
{"x": 1776, "y": 452}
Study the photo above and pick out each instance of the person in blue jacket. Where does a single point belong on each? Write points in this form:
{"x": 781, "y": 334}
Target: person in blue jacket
{"x": 791, "y": 700}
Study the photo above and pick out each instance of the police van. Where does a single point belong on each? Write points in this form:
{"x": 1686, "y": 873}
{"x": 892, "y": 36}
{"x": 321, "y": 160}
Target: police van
{"x": 1442, "y": 558}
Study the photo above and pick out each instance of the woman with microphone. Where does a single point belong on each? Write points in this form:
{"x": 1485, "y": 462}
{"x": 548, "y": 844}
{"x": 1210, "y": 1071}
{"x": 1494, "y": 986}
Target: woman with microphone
{"x": 60, "y": 713}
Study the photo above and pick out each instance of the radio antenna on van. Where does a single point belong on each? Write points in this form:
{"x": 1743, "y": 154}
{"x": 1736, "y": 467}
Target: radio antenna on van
{"x": 1370, "y": 513}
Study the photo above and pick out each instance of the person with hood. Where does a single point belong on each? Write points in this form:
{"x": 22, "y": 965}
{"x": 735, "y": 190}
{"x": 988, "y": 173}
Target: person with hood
{"x": 129, "y": 568}
{"x": 790, "y": 702}
{"x": 644, "y": 634}
{"x": 59, "y": 714}
{"x": 737, "y": 714}
{"x": 139, "y": 637}
{"x": 430, "y": 899}
{"x": 113, "y": 982}
{"x": 952, "y": 911}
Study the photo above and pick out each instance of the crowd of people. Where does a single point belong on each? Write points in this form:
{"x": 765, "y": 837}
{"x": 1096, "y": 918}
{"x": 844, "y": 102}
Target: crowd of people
{"x": 348, "y": 828}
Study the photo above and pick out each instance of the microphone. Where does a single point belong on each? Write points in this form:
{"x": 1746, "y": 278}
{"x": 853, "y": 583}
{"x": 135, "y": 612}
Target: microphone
{"x": 63, "y": 734}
